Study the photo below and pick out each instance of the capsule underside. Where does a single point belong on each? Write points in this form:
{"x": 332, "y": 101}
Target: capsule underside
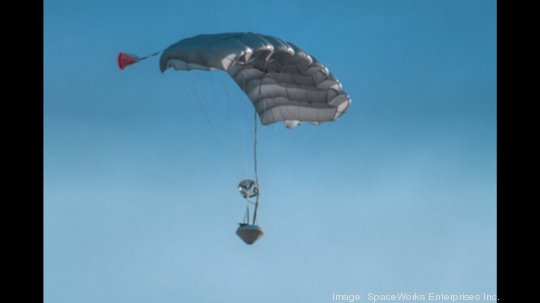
{"x": 250, "y": 233}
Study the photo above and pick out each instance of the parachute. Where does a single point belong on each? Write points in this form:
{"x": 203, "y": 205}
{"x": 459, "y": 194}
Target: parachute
{"x": 282, "y": 82}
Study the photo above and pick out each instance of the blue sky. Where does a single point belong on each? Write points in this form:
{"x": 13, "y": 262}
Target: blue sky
{"x": 397, "y": 196}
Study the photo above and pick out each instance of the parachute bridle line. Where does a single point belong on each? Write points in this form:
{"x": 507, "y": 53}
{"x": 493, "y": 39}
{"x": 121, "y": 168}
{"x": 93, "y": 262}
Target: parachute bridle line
{"x": 152, "y": 55}
{"x": 255, "y": 150}
{"x": 256, "y": 175}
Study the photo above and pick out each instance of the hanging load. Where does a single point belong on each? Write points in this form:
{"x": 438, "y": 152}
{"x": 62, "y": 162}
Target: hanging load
{"x": 249, "y": 233}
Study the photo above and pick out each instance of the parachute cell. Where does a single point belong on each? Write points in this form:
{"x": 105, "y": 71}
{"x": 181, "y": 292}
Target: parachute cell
{"x": 283, "y": 82}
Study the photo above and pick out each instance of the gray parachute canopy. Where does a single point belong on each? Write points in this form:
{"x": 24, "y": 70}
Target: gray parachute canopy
{"x": 283, "y": 82}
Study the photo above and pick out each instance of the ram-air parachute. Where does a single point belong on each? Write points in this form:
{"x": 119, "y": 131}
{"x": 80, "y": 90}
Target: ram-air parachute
{"x": 282, "y": 82}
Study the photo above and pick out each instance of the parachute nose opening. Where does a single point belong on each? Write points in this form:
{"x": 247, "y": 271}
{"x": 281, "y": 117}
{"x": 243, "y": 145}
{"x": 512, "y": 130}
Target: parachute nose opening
{"x": 249, "y": 233}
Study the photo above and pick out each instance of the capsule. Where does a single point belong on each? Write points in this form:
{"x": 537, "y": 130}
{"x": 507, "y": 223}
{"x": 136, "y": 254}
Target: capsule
{"x": 249, "y": 233}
